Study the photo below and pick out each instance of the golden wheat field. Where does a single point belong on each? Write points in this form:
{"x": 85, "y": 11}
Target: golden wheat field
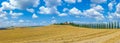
{"x": 59, "y": 34}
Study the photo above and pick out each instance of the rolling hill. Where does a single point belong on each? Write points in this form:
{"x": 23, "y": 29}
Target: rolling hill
{"x": 59, "y": 34}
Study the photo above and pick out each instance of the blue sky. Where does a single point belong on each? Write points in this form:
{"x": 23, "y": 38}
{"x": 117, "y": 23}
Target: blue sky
{"x": 45, "y": 12}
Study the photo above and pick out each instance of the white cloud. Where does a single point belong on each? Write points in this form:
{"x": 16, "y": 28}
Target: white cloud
{"x": 53, "y": 17}
{"x": 116, "y": 14}
{"x": 7, "y": 6}
{"x": 65, "y": 9}
{"x": 70, "y": 1}
{"x": 50, "y": 7}
{"x": 3, "y": 14}
{"x": 34, "y": 16}
{"x": 53, "y": 21}
{"x": 37, "y": 2}
{"x": 21, "y": 21}
{"x": 75, "y": 11}
{"x": 63, "y": 14}
{"x": 21, "y": 4}
{"x": 79, "y": 0}
{"x": 15, "y": 15}
{"x": 110, "y": 5}
{"x": 5, "y": 18}
{"x": 48, "y": 10}
{"x": 118, "y": 8}
{"x": 93, "y": 5}
{"x": 110, "y": 17}
{"x": 113, "y": 16}
{"x": 44, "y": 10}
{"x": 98, "y": 1}
{"x": 44, "y": 23}
{"x": 30, "y": 10}
{"x": 94, "y": 13}
{"x": 52, "y": 3}
{"x": 98, "y": 8}
{"x": 1, "y": 9}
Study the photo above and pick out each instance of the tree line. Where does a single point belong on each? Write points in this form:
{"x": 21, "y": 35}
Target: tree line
{"x": 108, "y": 25}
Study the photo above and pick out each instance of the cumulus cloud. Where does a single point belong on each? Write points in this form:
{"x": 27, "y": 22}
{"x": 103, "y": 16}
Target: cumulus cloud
{"x": 72, "y": 1}
{"x": 44, "y": 10}
{"x": 93, "y": 5}
{"x": 75, "y": 11}
{"x": 30, "y": 10}
{"x": 110, "y": 5}
{"x": 94, "y": 13}
{"x": 79, "y": 0}
{"x": 53, "y": 21}
{"x": 3, "y": 14}
{"x": 98, "y": 1}
{"x": 50, "y": 7}
{"x": 23, "y": 4}
{"x": 65, "y": 10}
{"x": 52, "y": 3}
{"x": 63, "y": 14}
{"x": 20, "y": 4}
{"x": 118, "y": 8}
{"x": 116, "y": 14}
{"x": 34, "y": 16}
{"x": 15, "y": 15}
{"x": 98, "y": 8}
{"x": 113, "y": 16}
{"x": 7, "y": 6}
{"x": 110, "y": 17}
{"x": 48, "y": 10}
{"x": 21, "y": 21}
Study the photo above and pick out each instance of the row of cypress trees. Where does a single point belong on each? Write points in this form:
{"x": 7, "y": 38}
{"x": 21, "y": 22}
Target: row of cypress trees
{"x": 109, "y": 25}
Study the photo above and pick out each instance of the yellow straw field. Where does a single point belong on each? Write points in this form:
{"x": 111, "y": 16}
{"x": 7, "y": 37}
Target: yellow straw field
{"x": 59, "y": 34}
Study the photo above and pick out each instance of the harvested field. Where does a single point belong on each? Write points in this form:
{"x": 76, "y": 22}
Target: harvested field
{"x": 59, "y": 34}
